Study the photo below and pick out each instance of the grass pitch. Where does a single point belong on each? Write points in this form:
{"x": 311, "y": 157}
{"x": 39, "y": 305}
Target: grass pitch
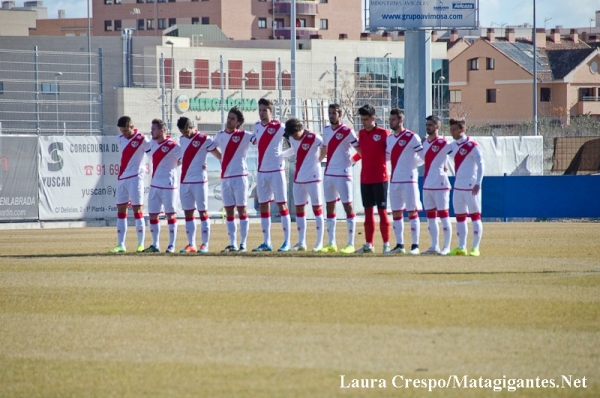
{"x": 76, "y": 322}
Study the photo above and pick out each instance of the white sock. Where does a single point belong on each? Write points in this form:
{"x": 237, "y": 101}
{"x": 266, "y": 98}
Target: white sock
{"x": 399, "y": 230}
{"x": 140, "y": 227}
{"x": 232, "y": 232}
{"x": 477, "y": 232}
{"x": 461, "y": 231}
{"x": 205, "y": 227}
{"x": 331, "y": 222}
{"x": 447, "y": 232}
{"x": 172, "y": 231}
{"x": 121, "y": 231}
{"x": 319, "y": 221}
{"x": 286, "y": 224}
{"x": 155, "y": 232}
{"x": 265, "y": 223}
{"x": 351, "y": 227}
{"x": 190, "y": 231}
{"x": 434, "y": 232}
{"x": 301, "y": 223}
{"x": 415, "y": 230}
{"x": 244, "y": 227}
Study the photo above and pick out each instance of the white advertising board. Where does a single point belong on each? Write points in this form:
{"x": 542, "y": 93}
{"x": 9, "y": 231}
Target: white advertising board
{"x": 423, "y": 14}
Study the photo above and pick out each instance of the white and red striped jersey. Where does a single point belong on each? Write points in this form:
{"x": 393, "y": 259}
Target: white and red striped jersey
{"x": 436, "y": 157}
{"x": 405, "y": 152}
{"x": 132, "y": 154}
{"x": 269, "y": 140}
{"x": 468, "y": 164}
{"x": 193, "y": 163}
{"x": 234, "y": 150}
{"x": 307, "y": 150}
{"x": 166, "y": 156}
{"x": 338, "y": 142}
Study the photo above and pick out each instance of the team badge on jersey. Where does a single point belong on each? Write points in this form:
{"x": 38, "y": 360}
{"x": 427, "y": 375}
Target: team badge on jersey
{"x": 402, "y": 142}
{"x": 339, "y": 136}
{"x": 196, "y": 144}
{"x": 235, "y": 139}
{"x": 135, "y": 144}
{"x": 164, "y": 149}
{"x": 271, "y": 130}
{"x": 309, "y": 136}
{"x": 435, "y": 148}
{"x": 376, "y": 137}
{"x": 463, "y": 151}
{"x": 305, "y": 146}
{"x": 469, "y": 144}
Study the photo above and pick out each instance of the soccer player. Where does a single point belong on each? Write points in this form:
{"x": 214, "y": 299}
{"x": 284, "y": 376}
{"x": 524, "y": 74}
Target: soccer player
{"x": 130, "y": 182}
{"x": 405, "y": 152}
{"x": 194, "y": 183}
{"x": 436, "y": 187}
{"x": 234, "y": 144}
{"x": 337, "y": 182}
{"x": 166, "y": 157}
{"x": 468, "y": 167}
{"x": 373, "y": 177}
{"x": 270, "y": 178}
{"x": 307, "y": 179}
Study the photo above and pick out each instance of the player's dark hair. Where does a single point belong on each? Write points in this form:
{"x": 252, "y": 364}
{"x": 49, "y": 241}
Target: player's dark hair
{"x": 398, "y": 112}
{"x": 183, "y": 123}
{"x": 238, "y": 114}
{"x": 266, "y": 102}
{"x": 337, "y": 107}
{"x": 292, "y": 126}
{"x": 159, "y": 123}
{"x": 366, "y": 110}
{"x": 124, "y": 121}
{"x": 434, "y": 118}
{"x": 461, "y": 123}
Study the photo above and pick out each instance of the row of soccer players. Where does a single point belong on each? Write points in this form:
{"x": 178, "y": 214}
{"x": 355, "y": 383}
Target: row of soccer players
{"x": 374, "y": 145}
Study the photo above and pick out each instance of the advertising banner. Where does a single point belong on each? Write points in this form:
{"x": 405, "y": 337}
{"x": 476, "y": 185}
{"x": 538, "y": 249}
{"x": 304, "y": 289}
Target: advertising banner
{"x": 423, "y": 14}
{"x": 18, "y": 178}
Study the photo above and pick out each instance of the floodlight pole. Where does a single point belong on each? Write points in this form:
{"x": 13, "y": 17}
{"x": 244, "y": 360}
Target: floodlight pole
{"x": 535, "y": 107}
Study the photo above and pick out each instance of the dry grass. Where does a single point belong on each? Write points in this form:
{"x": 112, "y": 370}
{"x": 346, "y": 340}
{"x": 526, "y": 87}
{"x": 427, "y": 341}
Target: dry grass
{"x": 77, "y": 322}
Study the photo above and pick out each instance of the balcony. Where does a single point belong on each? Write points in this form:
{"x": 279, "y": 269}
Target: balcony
{"x": 589, "y": 105}
{"x": 305, "y": 7}
{"x": 301, "y": 33}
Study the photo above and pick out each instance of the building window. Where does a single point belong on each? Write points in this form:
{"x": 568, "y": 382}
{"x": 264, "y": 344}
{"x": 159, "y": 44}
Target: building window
{"x": 117, "y": 1}
{"x": 262, "y": 23}
{"x": 172, "y": 21}
{"x": 194, "y": 0}
{"x": 150, "y": 24}
{"x": 107, "y": 1}
{"x": 545, "y": 94}
{"x": 269, "y": 75}
{"x": 324, "y": 25}
{"x": 140, "y": 24}
{"x": 323, "y": 1}
{"x": 205, "y": 20}
{"x": 185, "y": 78}
{"x": 108, "y": 26}
{"x": 201, "y": 79}
{"x": 171, "y": 1}
{"x": 279, "y": 23}
{"x": 162, "y": 23}
{"x": 149, "y": 1}
{"x": 50, "y": 88}
{"x": 490, "y": 64}
{"x": 473, "y": 64}
{"x": 1, "y": 87}
{"x": 162, "y": 1}
{"x": 195, "y": 21}
{"x": 490, "y": 95}
{"x": 262, "y": 1}
{"x": 300, "y": 22}
{"x": 118, "y": 24}
{"x": 455, "y": 96}
{"x": 140, "y": 1}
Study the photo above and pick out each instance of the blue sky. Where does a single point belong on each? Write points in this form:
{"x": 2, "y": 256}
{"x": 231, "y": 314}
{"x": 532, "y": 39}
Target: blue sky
{"x": 511, "y": 12}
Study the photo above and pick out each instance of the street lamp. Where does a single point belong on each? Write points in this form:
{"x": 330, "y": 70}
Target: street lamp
{"x": 169, "y": 42}
{"x": 440, "y": 83}
{"x": 244, "y": 80}
{"x": 56, "y": 75}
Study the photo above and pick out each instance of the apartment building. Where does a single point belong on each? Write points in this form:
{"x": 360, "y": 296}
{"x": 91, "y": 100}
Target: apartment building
{"x": 239, "y": 20}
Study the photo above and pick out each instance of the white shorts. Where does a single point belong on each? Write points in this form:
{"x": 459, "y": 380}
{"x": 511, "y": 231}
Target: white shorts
{"x": 464, "y": 202}
{"x": 271, "y": 186}
{"x": 302, "y": 192}
{"x": 405, "y": 196}
{"x": 130, "y": 190}
{"x": 234, "y": 191}
{"x": 162, "y": 198}
{"x": 194, "y": 196}
{"x": 434, "y": 199}
{"x": 337, "y": 187}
